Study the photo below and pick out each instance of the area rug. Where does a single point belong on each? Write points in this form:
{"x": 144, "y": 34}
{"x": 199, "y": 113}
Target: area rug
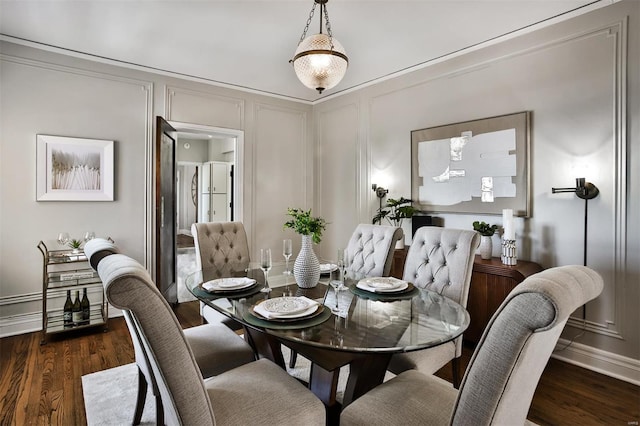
{"x": 110, "y": 395}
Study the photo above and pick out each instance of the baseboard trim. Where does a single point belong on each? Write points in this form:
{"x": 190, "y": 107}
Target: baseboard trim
{"x": 30, "y": 323}
{"x": 594, "y": 359}
{"x": 20, "y": 324}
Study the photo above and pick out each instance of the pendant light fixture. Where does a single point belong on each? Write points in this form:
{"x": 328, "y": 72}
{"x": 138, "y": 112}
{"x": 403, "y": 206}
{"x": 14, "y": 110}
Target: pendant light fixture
{"x": 320, "y": 61}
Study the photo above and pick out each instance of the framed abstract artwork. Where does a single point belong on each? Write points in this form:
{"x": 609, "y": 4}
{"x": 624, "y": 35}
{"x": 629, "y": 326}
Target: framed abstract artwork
{"x": 73, "y": 169}
{"x": 479, "y": 166}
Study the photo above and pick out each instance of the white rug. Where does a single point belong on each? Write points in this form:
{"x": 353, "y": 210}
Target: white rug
{"x": 110, "y": 397}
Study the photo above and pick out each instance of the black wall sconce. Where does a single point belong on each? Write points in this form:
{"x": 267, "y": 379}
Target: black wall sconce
{"x": 584, "y": 190}
{"x": 587, "y": 191}
{"x": 380, "y": 192}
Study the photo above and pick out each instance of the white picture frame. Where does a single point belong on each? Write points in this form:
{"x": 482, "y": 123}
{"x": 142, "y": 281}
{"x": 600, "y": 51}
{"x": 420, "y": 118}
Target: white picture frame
{"x": 73, "y": 169}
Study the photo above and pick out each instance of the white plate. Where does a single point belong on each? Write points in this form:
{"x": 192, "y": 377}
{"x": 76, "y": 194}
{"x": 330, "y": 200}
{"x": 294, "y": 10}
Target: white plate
{"x": 228, "y": 284}
{"x": 326, "y": 268}
{"x": 382, "y": 284}
{"x": 285, "y": 305}
{"x": 286, "y": 309}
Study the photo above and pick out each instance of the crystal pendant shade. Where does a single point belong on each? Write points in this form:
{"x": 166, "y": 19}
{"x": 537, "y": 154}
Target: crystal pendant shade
{"x": 317, "y": 65}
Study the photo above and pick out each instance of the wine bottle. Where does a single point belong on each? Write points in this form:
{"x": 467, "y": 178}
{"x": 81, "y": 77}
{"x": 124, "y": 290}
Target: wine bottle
{"x": 76, "y": 313}
{"x": 67, "y": 318}
{"x": 85, "y": 307}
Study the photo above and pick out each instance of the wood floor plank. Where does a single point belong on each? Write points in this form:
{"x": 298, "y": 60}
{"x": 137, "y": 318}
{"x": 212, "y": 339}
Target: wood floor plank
{"x": 42, "y": 385}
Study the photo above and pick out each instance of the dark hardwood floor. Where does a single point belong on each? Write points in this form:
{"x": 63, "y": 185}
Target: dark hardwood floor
{"x": 41, "y": 385}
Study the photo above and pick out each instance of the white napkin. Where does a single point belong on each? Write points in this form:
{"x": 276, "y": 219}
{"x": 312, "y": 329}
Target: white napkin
{"x": 382, "y": 284}
{"x": 312, "y": 307}
{"x": 228, "y": 284}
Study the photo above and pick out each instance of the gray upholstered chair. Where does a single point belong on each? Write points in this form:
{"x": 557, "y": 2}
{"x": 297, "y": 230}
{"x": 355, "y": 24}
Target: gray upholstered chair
{"x": 221, "y": 246}
{"x": 504, "y": 370}
{"x": 369, "y": 252}
{"x": 215, "y": 347}
{"x": 259, "y": 392}
{"x": 441, "y": 260}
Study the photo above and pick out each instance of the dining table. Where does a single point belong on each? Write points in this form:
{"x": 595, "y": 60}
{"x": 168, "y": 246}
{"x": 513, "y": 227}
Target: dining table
{"x": 352, "y": 326}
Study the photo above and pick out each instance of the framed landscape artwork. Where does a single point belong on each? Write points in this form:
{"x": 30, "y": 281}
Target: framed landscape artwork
{"x": 73, "y": 169}
{"x": 479, "y": 166}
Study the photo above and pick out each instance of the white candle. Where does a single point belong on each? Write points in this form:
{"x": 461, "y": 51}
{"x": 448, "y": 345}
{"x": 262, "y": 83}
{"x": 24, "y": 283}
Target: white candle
{"x": 507, "y": 224}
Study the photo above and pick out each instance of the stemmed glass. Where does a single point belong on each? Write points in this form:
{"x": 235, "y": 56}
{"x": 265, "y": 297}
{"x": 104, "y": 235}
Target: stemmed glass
{"x": 89, "y": 235}
{"x": 287, "y": 252}
{"x": 342, "y": 264}
{"x": 63, "y": 238}
{"x": 337, "y": 285}
{"x": 265, "y": 265}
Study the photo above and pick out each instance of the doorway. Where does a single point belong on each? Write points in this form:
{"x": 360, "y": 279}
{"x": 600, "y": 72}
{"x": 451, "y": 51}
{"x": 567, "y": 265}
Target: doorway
{"x": 209, "y": 187}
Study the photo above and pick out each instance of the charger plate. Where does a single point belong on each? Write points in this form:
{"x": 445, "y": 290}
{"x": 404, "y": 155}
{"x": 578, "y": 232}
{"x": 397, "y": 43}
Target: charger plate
{"x": 200, "y": 292}
{"x": 322, "y": 315}
{"x": 408, "y": 293}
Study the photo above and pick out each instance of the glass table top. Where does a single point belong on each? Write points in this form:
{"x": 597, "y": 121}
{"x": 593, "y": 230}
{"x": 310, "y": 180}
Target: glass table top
{"x": 374, "y": 322}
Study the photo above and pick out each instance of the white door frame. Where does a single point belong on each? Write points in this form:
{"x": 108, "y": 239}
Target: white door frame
{"x": 238, "y": 157}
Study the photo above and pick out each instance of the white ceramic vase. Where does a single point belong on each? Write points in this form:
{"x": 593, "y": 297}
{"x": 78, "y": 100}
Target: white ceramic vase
{"x": 486, "y": 247}
{"x": 306, "y": 269}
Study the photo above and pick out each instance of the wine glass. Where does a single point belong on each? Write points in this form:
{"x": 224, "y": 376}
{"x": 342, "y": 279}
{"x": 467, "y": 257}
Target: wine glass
{"x": 287, "y": 252}
{"x": 89, "y": 235}
{"x": 337, "y": 285}
{"x": 265, "y": 265}
{"x": 342, "y": 264}
{"x": 63, "y": 238}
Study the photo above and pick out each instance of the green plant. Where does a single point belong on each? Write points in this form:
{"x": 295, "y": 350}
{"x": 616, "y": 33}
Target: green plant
{"x": 484, "y": 229}
{"x": 395, "y": 211}
{"x": 304, "y": 224}
{"x": 75, "y": 244}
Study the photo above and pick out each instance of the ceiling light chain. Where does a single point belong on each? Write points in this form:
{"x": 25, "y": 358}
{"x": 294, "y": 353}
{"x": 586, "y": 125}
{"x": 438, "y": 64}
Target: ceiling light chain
{"x": 320, "y": 61}
{"x": 306, "y": 27}
{"x": 326, "y": 17}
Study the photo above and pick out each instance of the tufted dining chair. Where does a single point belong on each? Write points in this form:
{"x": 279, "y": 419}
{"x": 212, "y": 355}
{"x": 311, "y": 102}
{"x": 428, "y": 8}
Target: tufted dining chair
{"x": 441, "y": 260}
{"x": 504, "y": 370}
{"x": 223, "y": 247}
{"x": 216, "y": 348}
{"x": 369, "y": 252}
{"x": 258, "y": 392}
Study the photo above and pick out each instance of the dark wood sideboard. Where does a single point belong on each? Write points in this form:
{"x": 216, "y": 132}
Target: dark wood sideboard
{"x": 491, "y": 282}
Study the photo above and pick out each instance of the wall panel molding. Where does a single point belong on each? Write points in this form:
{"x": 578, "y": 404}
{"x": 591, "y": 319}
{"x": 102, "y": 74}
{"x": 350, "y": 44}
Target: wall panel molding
{"x": 32, "y": 321}
{"x": 301, "y": 118}
{"x": 226, "y": 111}
{"x": 617, "y": 32}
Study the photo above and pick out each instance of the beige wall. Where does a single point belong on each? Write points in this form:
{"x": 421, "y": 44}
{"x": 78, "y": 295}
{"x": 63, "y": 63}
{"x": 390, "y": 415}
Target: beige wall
{"x": 580, "y": 81}
{"x": 48, "y": 93}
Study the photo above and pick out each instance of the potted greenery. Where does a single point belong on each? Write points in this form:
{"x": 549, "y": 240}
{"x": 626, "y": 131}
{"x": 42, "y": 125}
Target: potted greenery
{"x": 304, "y": 224}
{"x": 486, "y": 231}
{"x": 306, "y": 268}
{"x": 75, "y": 245}
{"x": 395, "y": 211}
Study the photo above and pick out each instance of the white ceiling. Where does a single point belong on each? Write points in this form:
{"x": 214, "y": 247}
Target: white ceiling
{"x": 247, "y": 44}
